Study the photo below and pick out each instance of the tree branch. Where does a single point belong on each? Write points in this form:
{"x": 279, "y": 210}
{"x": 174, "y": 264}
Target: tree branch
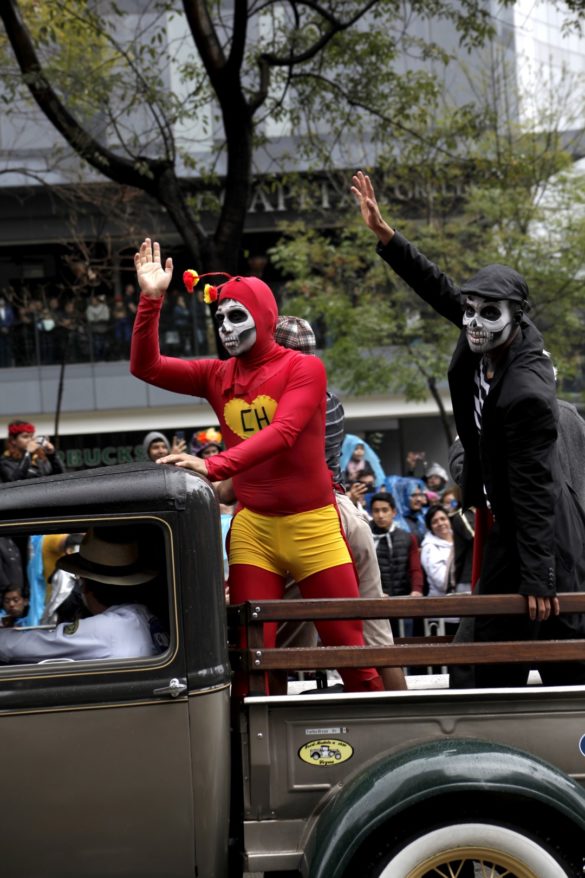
{"x": 240, "y": 33}
{"x": 205, "y": 37}
{"x": 99, "y": 157}
{"x": 432, "y": 386}
{"x": 352, "y": 102}
{"x": 336, "y": 26}
{"x": 162, "y": 123}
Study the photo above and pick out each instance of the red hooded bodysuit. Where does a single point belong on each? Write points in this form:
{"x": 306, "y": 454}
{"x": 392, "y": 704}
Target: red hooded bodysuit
{"x": 270, "y": 403}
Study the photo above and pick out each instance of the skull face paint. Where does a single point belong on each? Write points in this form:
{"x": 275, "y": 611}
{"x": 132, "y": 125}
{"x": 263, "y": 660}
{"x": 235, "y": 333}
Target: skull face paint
{"x": 488, "y": 323}
{"x": 237, "y": 329}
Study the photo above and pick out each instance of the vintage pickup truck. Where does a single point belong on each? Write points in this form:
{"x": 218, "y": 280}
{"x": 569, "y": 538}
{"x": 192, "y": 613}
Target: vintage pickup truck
{"x": 144, "y": 768}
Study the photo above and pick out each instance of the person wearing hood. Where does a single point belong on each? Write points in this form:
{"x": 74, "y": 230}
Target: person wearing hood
{"x": 208, "y": 450}
{"x": 502, "y": 387}
{"x": 411, "y": 504}
{"x": 435, "y": 478}
{"x": 358, "y": 457}
{"x": 156, "y": 445}
{"x": 206, "y": 443}
{"x": 270, "y": 404}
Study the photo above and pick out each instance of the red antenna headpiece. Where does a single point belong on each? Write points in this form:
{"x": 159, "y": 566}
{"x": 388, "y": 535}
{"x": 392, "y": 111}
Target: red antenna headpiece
{"x": 210, "y": 293}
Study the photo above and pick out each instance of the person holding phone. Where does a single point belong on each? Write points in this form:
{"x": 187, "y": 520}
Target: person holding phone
{"x": 27, "y": 457}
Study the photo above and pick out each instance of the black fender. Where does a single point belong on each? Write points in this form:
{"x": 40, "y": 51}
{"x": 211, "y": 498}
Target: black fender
{"x": 394, "y": 784}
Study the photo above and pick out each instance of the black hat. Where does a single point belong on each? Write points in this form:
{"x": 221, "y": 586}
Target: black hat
{"x": 497, "y": 282}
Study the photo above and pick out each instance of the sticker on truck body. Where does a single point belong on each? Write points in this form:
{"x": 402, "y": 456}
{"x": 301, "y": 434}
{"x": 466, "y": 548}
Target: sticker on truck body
{"x": 326, "y": 751}
{"x": 327, "y": 732}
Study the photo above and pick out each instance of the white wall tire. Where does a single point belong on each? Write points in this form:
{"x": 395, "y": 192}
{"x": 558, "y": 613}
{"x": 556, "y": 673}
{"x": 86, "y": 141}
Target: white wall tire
{"x": 499, "y": 850}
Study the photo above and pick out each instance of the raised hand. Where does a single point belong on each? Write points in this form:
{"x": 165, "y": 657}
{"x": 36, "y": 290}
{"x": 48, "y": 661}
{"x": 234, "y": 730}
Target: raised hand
{"x": 178, "y": 446}
{"x": 33, "y": 446}
{"x": 153, "y": 279}
{"x": 48, "y": 446}
{"x": 357, "y": 492}
{"x": 366, "y": 198}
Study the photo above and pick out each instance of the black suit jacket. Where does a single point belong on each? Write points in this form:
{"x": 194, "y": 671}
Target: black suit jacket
{"x": 538, "y": 544}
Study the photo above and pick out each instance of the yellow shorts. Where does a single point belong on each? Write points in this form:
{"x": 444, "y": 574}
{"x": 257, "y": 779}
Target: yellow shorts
{"x": 300, "y": 544}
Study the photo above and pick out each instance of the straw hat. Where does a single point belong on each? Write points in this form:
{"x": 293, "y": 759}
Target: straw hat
{"x": 108, "y": 561}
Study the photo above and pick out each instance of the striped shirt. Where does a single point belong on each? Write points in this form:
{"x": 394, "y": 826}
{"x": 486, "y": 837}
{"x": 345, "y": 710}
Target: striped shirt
{"x": 334, "y": 433}
{"x": 480, "y": 391}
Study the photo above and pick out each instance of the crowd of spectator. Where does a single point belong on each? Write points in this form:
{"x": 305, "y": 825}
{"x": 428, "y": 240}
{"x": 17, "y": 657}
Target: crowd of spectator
{"x": 424, "y": 540}
{"x": 40, "y": 327}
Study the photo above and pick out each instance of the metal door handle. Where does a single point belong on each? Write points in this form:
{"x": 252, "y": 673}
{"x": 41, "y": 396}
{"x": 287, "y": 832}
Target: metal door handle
{"x": 175, "y": 687}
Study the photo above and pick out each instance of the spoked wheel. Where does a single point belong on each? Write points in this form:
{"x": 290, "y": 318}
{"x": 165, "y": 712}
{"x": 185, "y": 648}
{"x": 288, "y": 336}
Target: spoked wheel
{"x": 471, "y": 850}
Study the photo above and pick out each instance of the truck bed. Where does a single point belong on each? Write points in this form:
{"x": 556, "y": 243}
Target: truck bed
{"x": 283, "y": 789}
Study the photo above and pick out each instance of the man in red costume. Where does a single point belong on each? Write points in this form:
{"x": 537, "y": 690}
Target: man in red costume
{"x": 270, "y": 403}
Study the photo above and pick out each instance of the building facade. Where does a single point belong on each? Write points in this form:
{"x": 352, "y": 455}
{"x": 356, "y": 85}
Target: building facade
{"x": 60, "y": 240}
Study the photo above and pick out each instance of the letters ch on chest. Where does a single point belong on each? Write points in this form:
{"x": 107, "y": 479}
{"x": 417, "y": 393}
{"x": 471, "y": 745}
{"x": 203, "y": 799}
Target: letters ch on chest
{"x": 245, "y": 418}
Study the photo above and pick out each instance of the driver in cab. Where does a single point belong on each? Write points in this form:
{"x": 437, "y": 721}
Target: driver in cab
{"x": 114, "y": 586}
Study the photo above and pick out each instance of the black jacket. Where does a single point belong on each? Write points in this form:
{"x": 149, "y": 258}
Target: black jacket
{"x": 393, "y": 552}
{"x": 10, "y": 564}
{"x": 13, "y": 469}
{"x": 463, "y": 524}
{"x": 538, "y": 544}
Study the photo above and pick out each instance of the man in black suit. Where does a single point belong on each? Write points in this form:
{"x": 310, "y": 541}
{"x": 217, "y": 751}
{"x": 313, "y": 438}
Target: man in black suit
{"x": 504, "y": 403}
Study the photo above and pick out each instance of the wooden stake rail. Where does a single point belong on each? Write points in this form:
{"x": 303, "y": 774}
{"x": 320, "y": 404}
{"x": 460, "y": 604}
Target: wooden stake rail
{"x": 395, "y": 608}
{"x": 320, "y": 657}
{"x": 408, "y": 651}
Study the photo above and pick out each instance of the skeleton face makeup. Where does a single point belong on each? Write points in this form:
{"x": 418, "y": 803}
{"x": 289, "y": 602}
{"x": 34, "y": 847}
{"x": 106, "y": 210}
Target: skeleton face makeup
{"x": 488, "y": 323}
{"x": 237, "y": 328}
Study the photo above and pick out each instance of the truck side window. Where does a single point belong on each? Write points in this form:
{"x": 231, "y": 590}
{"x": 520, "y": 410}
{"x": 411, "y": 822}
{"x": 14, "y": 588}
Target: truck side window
{"x": 97, "y": 594}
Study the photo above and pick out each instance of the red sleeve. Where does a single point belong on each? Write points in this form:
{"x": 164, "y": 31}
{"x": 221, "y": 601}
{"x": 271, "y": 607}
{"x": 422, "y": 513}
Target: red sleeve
{"x": 414, "y": 567}
{"x": 171, "y": 373}
{"x": 302, "y": 398}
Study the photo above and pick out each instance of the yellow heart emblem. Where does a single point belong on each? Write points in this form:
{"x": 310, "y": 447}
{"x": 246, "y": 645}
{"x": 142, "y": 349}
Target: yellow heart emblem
{"x": 246, "y": 418}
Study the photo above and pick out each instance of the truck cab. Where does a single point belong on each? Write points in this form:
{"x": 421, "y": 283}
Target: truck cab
{"x": 122, "y": 767}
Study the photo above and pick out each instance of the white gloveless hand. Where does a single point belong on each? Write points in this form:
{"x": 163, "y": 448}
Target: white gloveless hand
{"x": 153, "y": 279}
